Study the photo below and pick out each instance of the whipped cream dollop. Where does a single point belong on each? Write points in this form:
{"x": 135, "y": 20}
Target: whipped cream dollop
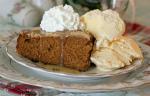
{"x": 60, "y": 18}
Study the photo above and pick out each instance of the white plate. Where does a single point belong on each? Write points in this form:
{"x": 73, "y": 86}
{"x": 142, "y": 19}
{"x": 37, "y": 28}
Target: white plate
{"x": 7, "y": 71}
{"x": 93, "y": 75}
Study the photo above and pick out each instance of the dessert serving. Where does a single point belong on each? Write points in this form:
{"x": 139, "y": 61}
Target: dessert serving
{"x": 60, "y": 42}
{"x": 66, "y": 39}
{"x": 113, "y": 50}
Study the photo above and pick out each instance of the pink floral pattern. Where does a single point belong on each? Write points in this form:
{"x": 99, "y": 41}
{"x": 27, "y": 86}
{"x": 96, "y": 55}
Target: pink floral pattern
{"x": 16, "y": 9}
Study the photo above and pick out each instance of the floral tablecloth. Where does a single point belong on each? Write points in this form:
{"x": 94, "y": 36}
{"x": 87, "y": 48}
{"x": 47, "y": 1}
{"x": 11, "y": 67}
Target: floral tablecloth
{"x": 140, "y": 33}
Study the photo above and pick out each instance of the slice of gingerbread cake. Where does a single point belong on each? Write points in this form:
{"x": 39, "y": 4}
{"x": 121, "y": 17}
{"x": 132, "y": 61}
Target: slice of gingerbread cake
{"x": 70, "y": 49}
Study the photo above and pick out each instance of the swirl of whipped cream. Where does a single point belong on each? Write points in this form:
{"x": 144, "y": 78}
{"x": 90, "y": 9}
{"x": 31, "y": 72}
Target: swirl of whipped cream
{"x": 60, "y": 18}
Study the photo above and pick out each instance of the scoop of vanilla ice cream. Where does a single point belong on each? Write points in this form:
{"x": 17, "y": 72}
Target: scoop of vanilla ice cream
{"x": 106, "y": 60}
{"x": 103, "y": 24}
{"x": 60, "y": 18}
{"x": 119, "y": 53}
{"x": 127, "y": 48}
{"x": 113, "y": 51}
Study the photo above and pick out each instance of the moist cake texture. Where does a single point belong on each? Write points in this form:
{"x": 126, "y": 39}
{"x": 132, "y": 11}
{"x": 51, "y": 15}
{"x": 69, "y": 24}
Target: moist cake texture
{"x": 71, "y": 49}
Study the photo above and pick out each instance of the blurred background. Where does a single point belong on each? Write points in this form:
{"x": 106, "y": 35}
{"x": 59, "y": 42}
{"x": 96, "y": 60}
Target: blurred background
{"x": 142, "y": 14}
{"x": 28, "y": 13}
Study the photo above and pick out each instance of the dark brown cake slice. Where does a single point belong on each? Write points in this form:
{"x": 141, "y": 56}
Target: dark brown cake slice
{"x": 71, "y": 49}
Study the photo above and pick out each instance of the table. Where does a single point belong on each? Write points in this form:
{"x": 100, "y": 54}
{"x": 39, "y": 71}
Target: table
{"x": 142, "y": 17}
